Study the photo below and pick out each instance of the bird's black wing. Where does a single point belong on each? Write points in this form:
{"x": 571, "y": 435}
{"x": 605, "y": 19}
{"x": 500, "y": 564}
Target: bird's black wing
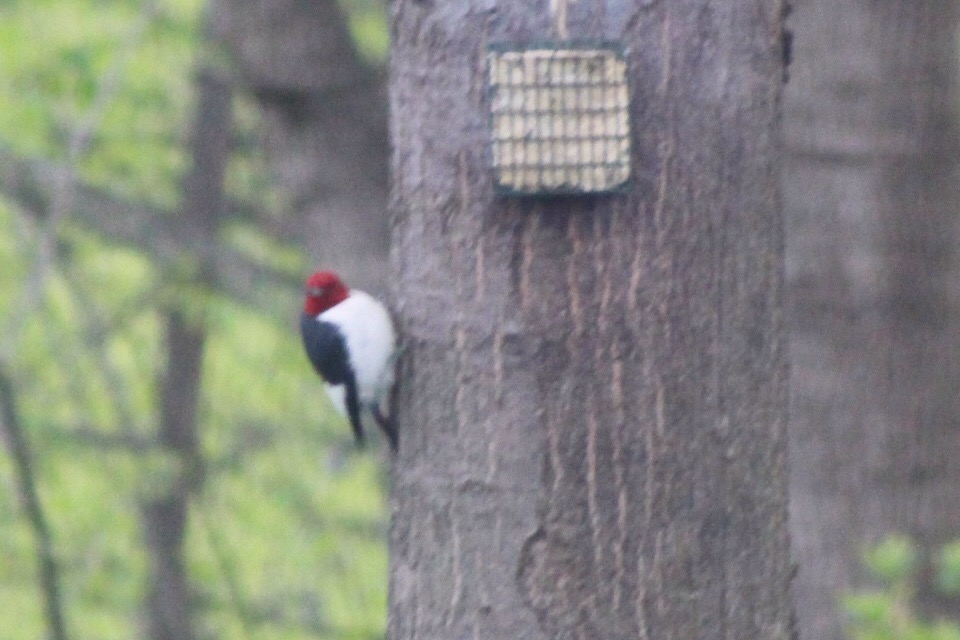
{"x": 327, "y": 350}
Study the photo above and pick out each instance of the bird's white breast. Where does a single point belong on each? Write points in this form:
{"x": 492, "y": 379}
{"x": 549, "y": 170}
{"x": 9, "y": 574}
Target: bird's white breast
{"x": 371, "y": 342}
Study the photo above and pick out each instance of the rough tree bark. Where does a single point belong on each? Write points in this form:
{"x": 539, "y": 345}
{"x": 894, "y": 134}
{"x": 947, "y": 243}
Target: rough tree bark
{"x": 325, "y": 127}
{"x": 168, "y": 602}
{"x": 870, "y": 187}
{"x": 593, "y": 390}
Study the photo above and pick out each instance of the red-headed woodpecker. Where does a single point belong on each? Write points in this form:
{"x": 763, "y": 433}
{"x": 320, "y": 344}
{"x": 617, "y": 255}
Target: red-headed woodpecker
{"x": 349, "y": 338}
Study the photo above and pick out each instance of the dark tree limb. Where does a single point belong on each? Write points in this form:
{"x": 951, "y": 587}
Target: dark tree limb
{"x": 164, "y": 519}
{"x": 12, "y": 432}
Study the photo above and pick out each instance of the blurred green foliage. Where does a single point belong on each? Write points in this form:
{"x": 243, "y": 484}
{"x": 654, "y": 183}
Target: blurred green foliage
{"x": 287, "y": 538}
{"x": 889, "y": 612}
{"x": 368, "y": 26}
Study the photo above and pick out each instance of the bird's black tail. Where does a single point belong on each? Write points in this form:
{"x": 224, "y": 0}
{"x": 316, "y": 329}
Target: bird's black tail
{"x": 353, "y": 410}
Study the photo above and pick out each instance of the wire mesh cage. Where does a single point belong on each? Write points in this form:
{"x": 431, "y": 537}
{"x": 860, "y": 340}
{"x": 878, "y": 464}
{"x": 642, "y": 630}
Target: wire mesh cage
{"x": 559, "y": 118}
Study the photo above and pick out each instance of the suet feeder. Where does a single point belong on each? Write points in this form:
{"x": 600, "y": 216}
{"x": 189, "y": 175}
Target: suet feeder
{"x": 559, "y": 118}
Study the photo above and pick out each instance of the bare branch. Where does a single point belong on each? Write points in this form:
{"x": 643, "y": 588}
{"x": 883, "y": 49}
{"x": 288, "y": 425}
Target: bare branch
{"x": 27, "y": 182}
{"x": 109, "y": 84}
{"x": 64, "y": 182}
{"x": 99, "y": 440}
{"x": 13, "y": 436}
{"x": 235, "y": 595}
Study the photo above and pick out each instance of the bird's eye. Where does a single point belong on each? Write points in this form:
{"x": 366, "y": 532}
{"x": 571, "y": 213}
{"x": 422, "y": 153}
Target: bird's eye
{"x": 314, "y": 292}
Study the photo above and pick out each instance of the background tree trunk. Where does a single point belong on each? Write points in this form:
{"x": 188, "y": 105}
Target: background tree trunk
{"x": 871, "y": 196}
{"x": 168, "y": 603}
{"x": 593, "y": 390}
{"x": 325, "y": 118}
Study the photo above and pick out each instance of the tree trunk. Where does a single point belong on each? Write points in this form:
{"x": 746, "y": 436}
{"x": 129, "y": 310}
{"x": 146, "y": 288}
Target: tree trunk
{"x": 325, "y": 121}
{"x": 165, "y": 517}
{"x": 870, "y": 198}
{"x": 593, "y": 389}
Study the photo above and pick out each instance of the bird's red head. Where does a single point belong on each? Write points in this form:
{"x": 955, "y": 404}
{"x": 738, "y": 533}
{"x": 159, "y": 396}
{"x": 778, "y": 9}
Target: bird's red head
{"x": 323, "y": 290}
